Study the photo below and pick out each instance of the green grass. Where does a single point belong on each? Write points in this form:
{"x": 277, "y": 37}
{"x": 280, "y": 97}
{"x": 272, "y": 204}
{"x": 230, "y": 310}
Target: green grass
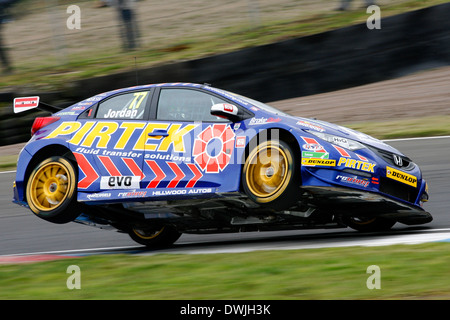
{"x": 407, "y": 272}
{"x": 8, "y": 162}
{"x": 405, "y": 128}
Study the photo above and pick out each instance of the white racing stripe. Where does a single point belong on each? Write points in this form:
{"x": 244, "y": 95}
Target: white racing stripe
{"x": 74, "y": 252}
{"x": 426, "y": 236}
{"x": 318, "y": 244}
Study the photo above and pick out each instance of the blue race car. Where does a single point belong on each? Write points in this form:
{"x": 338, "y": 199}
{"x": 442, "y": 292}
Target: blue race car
{"x": 156, "y": 161}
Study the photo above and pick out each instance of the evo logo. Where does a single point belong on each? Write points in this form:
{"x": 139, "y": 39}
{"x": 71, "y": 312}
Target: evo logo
{"x": 120, "y": 182}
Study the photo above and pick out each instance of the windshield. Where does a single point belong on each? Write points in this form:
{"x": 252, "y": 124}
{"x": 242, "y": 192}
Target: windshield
{"x": 264, "y": 106}
{"x": 256, "y": 103}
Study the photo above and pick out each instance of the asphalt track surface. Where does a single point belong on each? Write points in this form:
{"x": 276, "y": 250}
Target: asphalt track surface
{"x": 23, "y": 233}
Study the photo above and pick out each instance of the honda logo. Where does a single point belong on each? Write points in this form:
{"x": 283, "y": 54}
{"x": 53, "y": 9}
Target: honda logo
{"x": 398, "y": 160}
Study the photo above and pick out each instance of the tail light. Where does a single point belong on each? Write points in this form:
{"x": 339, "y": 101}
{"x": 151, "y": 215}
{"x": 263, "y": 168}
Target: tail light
{"x": 41, "y": 122}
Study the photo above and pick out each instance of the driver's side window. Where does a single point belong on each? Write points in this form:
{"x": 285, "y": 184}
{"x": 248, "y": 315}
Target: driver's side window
{"x": 187, "y": 105}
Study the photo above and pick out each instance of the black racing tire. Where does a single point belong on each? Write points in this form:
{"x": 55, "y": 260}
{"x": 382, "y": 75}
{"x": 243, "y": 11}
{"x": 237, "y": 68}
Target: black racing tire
{"x": 51, "y": 190}
{"x": 364, "y": 224}
{"x": 271, "y": 175}
{"x": 155, "y": 237}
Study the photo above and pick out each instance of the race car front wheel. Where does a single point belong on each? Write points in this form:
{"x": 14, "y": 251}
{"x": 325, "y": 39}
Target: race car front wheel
{"x": 154, "y": 237}
{"x": 51, "y": 190}
{"x": 270, "y": 175}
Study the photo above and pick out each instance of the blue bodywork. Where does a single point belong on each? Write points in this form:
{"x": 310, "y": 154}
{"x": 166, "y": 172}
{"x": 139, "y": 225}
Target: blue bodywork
{"x": 126, "y": 161}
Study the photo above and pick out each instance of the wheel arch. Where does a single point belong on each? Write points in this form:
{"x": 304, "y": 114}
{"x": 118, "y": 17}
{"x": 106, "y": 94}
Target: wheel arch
{"x": 45, "y": 152}
{"x": 284, "y": 135}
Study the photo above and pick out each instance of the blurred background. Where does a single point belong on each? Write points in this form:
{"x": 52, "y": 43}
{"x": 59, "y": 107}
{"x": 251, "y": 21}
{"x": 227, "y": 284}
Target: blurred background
{"x": 36, "y": 31}
{"x": 37, "y": 40}
{"x": 52, "y": 50}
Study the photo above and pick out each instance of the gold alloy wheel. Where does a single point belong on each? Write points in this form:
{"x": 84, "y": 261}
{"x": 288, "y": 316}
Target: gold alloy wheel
{"x": 267, "y": 171}
{"x": 154, "y": 237}
{"x": 148, "y": 235}
{"x": 50, "y": 186}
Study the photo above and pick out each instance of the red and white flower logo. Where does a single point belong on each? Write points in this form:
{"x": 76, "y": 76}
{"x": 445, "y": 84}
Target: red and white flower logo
{"x": 213, "y": 148}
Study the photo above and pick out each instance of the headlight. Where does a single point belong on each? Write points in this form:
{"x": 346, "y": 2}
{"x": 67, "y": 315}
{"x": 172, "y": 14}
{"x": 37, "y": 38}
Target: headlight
{"x": 348, "y": 144}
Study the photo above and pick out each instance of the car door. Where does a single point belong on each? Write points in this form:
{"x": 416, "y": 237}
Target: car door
{"x": 188, "y": 151}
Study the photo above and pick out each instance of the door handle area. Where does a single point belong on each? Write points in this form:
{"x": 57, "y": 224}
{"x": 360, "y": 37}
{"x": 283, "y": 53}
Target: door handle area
{"x": 159, "y": 133}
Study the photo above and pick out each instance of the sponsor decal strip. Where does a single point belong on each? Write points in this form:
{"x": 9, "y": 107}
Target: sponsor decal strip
{"x": 107, "y": 182}
{"x": 318, "y": 162}
{"x": 89, "y": 172}
{"x": 133, "y": 167}
{"x": 240, "y": 141}
{"x": 353, "y": 180}
{"x": 311, "y": 141}
{"x": 310, "y": 125}
{"x": 312, "y": 149}
{"x": 357, "y": 164}
{"x": 157, "y": 171}
{"x": 178, "y": 175}
{"x": 197, "y": 175}
{"x": 401, "y": 176}
{"x": 27, "y": 103}
{"x": 119, "y": 182}
{"x": 98, "y": 135}
{"x": 109, "y": 165}
{"x": 256, "y": 121}
{"x": 361, "y": 157}
{"x": 342, "y": 151}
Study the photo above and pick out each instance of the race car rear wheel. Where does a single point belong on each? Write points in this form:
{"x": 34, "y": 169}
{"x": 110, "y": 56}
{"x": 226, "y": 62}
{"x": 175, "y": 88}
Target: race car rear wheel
{"x": 366, "y": 224}
{"x": 155, "y": 237}
{"x": 51, "y": 190}
{"x": 270, "y": 175}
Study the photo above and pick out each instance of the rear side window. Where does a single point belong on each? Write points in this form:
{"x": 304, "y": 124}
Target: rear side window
{"x": 125, "y": 106}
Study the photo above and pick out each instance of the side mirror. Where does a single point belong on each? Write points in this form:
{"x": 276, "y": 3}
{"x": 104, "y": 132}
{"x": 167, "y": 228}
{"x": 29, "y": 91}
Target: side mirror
{"x": 226, "y": 111}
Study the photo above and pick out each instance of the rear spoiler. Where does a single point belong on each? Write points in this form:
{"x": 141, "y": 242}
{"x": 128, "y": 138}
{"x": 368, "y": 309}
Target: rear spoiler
{"x": 27, "y": 103}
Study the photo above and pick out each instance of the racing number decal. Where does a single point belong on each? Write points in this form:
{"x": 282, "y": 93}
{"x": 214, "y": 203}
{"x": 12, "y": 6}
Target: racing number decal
{"x": 138, "y": 98}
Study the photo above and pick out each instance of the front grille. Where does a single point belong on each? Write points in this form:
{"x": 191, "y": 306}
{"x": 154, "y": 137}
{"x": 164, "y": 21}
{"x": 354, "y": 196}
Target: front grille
{"x": 398, "y": 190}
{"x": 389, "y": 157}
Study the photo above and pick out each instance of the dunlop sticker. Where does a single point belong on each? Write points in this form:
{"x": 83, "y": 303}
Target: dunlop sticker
{"x": 318, "y": 162}
{"x": 401, "y": 176}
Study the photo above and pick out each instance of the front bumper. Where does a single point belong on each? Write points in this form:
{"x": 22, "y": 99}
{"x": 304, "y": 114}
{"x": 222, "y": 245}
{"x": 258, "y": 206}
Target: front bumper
{"x": 351, "y": 202}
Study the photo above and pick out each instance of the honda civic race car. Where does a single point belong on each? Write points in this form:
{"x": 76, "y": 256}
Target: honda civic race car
{"x": 159, "y": 160}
